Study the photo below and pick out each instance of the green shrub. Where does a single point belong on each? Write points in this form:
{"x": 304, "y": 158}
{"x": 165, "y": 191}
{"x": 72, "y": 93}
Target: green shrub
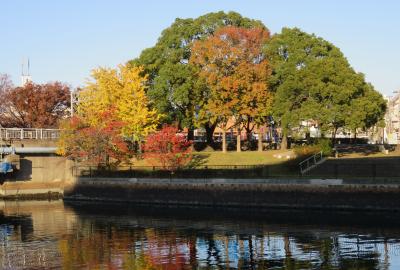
{"x": 322, "y": 144}
{"x": 306, "y": 150}
{"x": 325, "y": 145}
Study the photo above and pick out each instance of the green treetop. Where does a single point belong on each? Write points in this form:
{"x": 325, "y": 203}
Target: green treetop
{"x": 312, "y": 80}
{"x": 174, "y": 87}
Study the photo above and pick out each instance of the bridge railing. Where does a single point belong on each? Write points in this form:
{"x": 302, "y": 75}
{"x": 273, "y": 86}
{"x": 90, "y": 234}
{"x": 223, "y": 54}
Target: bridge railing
{"x": 29, "y": 134}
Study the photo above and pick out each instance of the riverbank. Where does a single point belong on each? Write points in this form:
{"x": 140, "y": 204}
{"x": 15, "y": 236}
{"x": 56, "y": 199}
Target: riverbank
{"x": 27, "y": 190}
{"x": 335, "y": 194}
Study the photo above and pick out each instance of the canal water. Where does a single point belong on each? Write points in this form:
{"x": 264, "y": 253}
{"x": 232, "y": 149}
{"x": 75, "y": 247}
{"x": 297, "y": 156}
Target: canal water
{"x": 58, "y": 235}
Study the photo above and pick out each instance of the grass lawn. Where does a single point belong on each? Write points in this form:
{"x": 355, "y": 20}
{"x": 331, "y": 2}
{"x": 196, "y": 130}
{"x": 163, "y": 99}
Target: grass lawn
{"x": 372, "y": 155}
{"x": 369, "y": 154}
{"x": 232, "y": 158}
{"x": 241, "y": 158}
{"x": 216, "y": 158}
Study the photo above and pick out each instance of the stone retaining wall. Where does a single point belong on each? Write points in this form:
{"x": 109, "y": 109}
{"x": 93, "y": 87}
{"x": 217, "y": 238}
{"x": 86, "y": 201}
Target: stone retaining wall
{"x": 276, "y": 193}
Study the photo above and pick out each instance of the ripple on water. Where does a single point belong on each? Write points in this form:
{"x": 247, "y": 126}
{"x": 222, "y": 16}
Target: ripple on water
{"x": 50, "y": 235}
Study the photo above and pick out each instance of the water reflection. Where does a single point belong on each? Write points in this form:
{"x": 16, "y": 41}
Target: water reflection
{"x": 51, "y": 235}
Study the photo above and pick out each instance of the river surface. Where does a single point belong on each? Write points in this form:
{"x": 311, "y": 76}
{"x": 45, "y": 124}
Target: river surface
{"x": 58, "y": 235}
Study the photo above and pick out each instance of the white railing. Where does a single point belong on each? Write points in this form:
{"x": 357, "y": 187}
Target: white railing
{"x": 311, "y": 162}
{"x": 29, "y": 134}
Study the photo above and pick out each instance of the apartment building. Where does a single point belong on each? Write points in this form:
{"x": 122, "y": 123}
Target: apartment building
{"x": 392, "y": 120}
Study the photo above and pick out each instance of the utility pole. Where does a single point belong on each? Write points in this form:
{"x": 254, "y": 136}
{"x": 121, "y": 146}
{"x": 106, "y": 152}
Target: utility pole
{"x": 73, "y": 97}
{"x": 72, "y": 103}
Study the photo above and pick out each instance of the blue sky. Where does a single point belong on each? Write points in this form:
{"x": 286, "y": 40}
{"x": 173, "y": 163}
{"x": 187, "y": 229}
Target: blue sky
{"x": 66, "y": 39}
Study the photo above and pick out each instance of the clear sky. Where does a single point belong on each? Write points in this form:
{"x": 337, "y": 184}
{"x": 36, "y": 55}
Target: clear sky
{"x": 66, "y": 39}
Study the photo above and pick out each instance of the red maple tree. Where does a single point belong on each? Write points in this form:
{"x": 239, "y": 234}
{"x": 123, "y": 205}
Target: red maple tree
{"x": 101, "y": 145}
{"x": 168, "y": 149}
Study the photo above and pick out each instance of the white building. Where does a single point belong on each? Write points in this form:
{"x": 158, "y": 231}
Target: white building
{"x": 392, "y": 120}
{"x": 25, "y": 77}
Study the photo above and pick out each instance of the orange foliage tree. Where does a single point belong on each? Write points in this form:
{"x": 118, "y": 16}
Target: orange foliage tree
{"x": 236, "y": 71}
{"x": 34, "y": 105}
{"x": 168, "y": 149}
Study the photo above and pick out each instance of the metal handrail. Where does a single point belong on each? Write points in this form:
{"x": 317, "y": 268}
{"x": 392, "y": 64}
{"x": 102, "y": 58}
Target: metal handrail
{"x": 311, "y": 161}
{"x": 29, "y": 134}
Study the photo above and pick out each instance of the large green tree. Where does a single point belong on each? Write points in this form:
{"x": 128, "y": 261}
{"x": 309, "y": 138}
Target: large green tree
{"x": 174, "y": 87}
{"x": 312, "y": 80}
{"x": 366, "y": 111}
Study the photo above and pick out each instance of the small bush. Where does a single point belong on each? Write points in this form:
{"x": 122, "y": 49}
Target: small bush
{"x": 306, "y": 150}
{"x": 322, "y": 144}
{"x": 325, "y": 145}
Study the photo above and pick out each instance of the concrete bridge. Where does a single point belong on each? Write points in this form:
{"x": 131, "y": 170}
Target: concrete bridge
{"x": 35, "y": 167}
{"x": 28, "y": 141}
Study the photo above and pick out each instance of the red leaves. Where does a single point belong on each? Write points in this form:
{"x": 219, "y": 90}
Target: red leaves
{"x": 168, "y": 149}
{"x": 100, "y": 145}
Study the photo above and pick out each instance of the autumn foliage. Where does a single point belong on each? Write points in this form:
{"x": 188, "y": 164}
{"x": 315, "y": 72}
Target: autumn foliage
{"x": 168, "y": 149}
{"x": 113, "y": 110}
{"x": 35, "y": 105}
{"x": 123, "y": 90}
{"x": 101, "y": 145}
{"x": 236, "y": 71}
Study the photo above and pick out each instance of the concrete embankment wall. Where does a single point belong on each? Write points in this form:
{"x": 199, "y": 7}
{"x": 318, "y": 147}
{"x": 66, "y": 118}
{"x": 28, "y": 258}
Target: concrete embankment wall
{"x": 279, "y": 193}
{"x": 38, "y": 176}
{"x": 43, "y": 168}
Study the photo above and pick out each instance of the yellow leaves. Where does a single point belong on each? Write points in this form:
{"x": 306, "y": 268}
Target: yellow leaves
{"x": 124, "y": 90}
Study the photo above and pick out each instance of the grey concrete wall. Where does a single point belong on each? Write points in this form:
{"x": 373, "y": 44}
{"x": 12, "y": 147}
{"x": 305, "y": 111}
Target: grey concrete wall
{"x": 43, "y": 169}
{"x": 39, "y": 176}
{"x": 277, "y": 193}
{"x": 307, "y": 182}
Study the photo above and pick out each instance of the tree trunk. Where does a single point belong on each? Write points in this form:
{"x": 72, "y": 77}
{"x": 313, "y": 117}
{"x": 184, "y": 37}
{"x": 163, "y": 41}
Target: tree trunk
{"x": 260, "y": 141}
{"x": 210, "y": 128}
{"x": 238, "y": 140}
{"x": 248, "y": 135}
{"x": 308, "y": 137}
{"x": 139, "y": 147}
{"x": 190, "y": 135}
{"x": 334, "y": 135}
{"x": 224, "y": 140}
{"x": 248, "y": 131}
{"x": 284, "y": 143}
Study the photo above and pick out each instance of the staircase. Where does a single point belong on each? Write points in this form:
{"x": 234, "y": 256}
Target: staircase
{"x": 311, "y": 162}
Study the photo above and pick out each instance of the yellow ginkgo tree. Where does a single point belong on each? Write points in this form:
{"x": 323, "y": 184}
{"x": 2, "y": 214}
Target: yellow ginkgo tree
{"x": 123, "y": 90}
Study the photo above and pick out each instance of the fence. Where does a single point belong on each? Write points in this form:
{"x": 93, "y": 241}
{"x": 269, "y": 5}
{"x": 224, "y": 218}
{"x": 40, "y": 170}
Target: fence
{"x": 29, "y": 134}
{"x": 226, "y": 171}
{"x": 375, "y": 172}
